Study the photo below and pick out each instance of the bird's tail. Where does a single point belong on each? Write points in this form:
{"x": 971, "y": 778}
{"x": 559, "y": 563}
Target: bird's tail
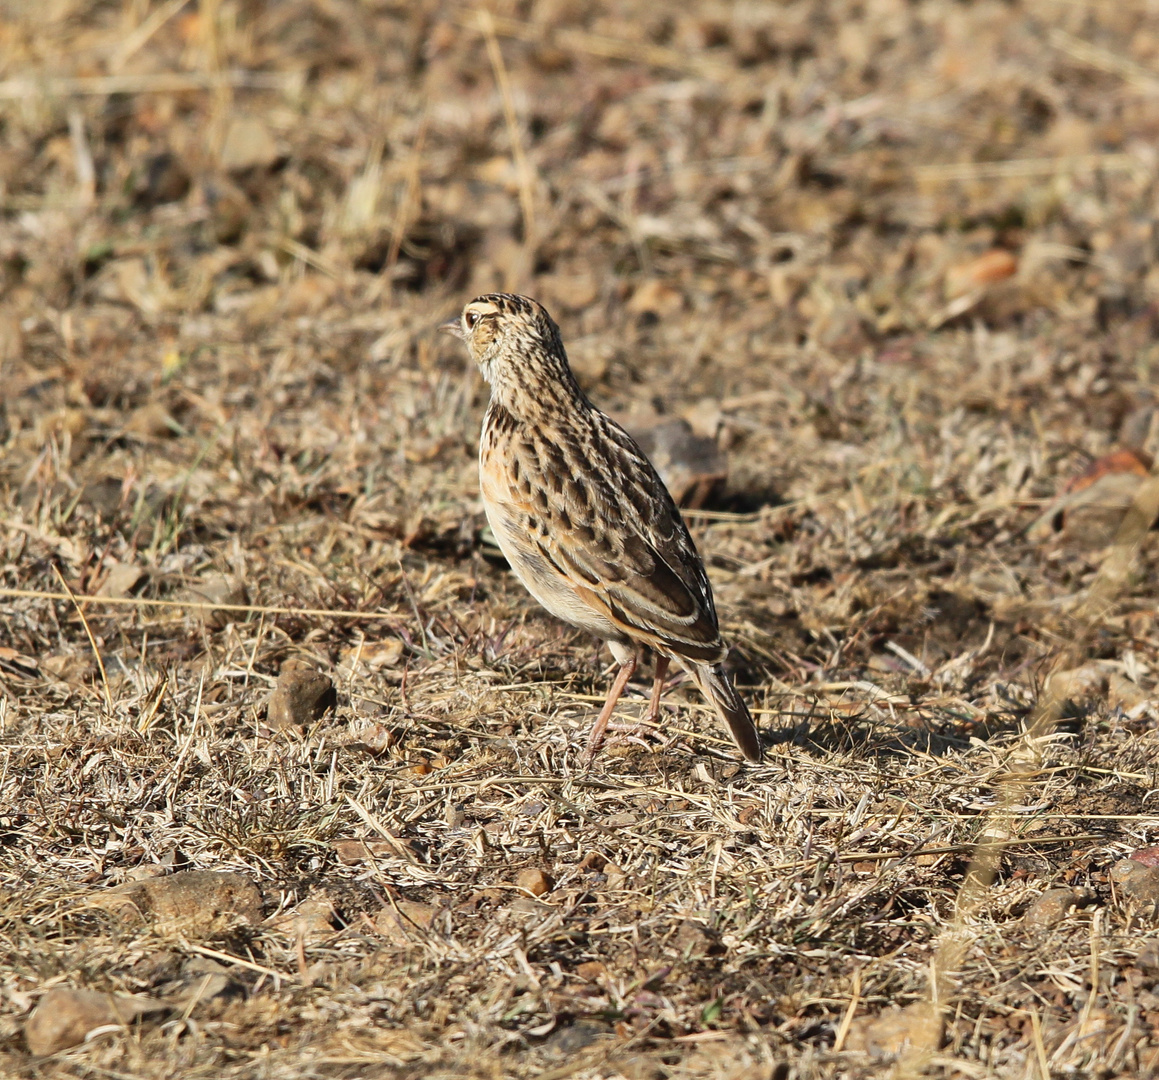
{"x": 717, "y": 687}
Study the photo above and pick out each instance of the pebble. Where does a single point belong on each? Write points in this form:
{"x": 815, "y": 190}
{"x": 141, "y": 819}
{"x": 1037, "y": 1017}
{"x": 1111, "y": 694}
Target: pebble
{"x": 534, "y": 881}
{"x": 886, "y": 1035}
{"x": 1053, "y": 906}
{"x": 405, "y": 921}
{"x": 194, "y": 902}
{"x": 215, "y": 589}
{"x": 301, "y": 697}
{"x": 64, "y": 1016}
{"x": 1137, "y": 883}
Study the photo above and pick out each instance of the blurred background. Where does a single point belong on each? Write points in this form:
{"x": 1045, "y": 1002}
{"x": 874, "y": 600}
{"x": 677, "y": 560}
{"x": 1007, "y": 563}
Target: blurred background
{"x": 848, "y": 241}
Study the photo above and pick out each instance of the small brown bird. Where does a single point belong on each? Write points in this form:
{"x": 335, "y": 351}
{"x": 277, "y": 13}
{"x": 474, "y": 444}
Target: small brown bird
{"x": 583, "y": 518}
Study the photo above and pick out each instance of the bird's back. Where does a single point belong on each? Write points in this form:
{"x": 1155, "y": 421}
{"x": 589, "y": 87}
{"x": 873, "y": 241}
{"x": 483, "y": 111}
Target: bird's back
{"x": 588, "y": 520}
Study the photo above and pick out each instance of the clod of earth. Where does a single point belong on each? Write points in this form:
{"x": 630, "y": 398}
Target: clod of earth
{"x": 215, "y": 589}
{"x": 917, "y": 1026}
{"x": 534, "y": 881}
{"x": 1054, "y": 905}
{"x": 406, "y": 921}
{"x": 198, "y": 903}
{"x": 64, "y": 1016}
{"x": 1138, "y": 883}
{"x": 302, "y": 696}
{"x": 692, "y": 467}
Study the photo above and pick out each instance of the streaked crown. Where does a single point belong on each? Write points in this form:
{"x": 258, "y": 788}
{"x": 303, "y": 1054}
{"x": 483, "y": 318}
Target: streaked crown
{"x": 518, "y": 348}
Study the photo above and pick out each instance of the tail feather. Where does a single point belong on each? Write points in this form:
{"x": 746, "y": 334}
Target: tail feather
{"x": 717, "y": 687}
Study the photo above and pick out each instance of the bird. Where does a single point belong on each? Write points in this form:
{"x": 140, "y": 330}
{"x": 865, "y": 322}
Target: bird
{"x": 584, "y": 519}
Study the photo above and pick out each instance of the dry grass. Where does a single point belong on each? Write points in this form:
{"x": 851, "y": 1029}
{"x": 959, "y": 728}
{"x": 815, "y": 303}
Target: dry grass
{"x": 227, "y": 230}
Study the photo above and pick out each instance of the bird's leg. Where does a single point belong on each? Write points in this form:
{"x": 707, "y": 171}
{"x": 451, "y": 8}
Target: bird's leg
{"x": 657, "y": 688}
{"x": 627, "y": 667}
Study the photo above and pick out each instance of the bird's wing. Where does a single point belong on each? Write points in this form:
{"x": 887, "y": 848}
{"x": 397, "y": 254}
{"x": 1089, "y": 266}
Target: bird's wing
{"x": 617, "y": 537}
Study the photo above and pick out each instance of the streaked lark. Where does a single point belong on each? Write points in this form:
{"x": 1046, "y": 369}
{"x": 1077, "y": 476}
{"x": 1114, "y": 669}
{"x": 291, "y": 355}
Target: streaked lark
{"x": 583, "y": 518}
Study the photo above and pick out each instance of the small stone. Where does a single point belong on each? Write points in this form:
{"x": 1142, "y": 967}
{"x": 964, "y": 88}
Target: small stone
{"x": 693, "y": 940}
{"x": 593, "y": 861}
{"x": 248, "y": 145}
{"x": 120, "y": 580}
{"x": 75, "y": 668}
{"x": 592, "y": 970}
{"x": 301, "y": 697}
{"x": 1148, "y": 856}
{"x": 885, "y": 1036}
{"x": 692, "y": 467}
{"x": 1124, "y": 694}
{"x": 406, "y": 921}
{"x": 372, "y": 655}
{"x": 164, "y": 180}
{"x": 568, "y": 1041}
{"x": 229, "y": 210}
{"x": 151, "y": 421}
{"x": 312, "y": 919}
{"x": 206, "y": 980}
{"x": 194, "y": 902}
{"x": 534, "y": 881}
{"x": 655, "y": 298}
{"x": 523, "y": 908}
{"x": 1137, "y": 883}
{"x": 352, "y": 852}
{"x": 615, "y": 878}
{"x": 1148, "y": 958}
{"x": 215, "y": 589}
{"x": 572, "y": 292}
{"x": 1079, "y": 685}
{"x": 65, "y": 1016}
{"x": 986, "y": 269}
{"x": 1054, "y": 905}
{"x": 310, "y": 294}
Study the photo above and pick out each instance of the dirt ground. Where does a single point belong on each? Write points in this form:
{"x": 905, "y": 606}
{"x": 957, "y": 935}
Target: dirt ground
{"x": 898, "y": 260}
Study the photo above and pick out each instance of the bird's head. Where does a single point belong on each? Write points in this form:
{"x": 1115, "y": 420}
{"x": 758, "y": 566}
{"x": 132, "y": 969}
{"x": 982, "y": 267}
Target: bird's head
{"x": 517, "y": 347}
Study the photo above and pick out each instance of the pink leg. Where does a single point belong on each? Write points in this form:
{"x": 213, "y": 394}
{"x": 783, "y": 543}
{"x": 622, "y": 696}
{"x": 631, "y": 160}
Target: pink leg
{"x": 657, "y": 688}
{"x": 601, "y": 724}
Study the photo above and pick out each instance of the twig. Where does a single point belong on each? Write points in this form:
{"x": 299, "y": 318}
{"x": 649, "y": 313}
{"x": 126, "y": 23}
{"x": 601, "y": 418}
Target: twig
{"x": 522, "y": 166}
{"x": 86, "y": 174}
{"x": 193, "y": 605}
{"x": 166, "y": 82}
{"x": 850, "y": 1012}
{"x": 139, "y": 37}
{"x": 309, "y": 256}
{"x": 1026, "y": 167}
{"x": 410, "y": 192}
{"x": 1105, "y": 60}
{"x": 399, "y": 847}
{"x": 908, "y": 657}
{"x": 229, "y": 958}
{"x": 68, "y": 595}
{"x": 1039, "y": 1046}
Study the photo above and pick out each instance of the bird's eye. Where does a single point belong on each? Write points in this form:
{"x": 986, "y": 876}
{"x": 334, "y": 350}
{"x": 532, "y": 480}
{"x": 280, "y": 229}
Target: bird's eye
{"x": 470, "y": 319}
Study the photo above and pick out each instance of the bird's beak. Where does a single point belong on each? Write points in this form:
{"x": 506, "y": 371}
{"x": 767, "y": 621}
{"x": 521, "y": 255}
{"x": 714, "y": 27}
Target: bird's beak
{"x": 452, "y": 326}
